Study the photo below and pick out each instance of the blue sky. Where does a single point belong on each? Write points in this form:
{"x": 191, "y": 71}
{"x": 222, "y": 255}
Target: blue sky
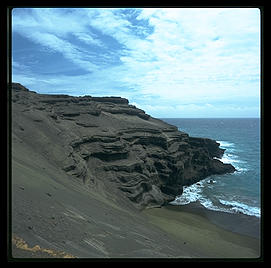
{"x": 170, "y": 62}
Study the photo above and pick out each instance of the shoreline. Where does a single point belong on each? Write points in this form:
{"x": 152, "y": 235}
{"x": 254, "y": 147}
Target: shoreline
{"x": 235, "y": 222}
{"x": 203, "y": 233}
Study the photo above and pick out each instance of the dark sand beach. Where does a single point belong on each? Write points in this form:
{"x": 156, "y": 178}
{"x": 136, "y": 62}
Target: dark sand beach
{"x": 210, "y": 234}
{"x": 234, "y": 222}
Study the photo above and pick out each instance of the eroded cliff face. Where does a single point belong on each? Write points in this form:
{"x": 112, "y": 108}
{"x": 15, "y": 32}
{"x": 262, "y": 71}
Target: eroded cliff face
{"x": 113, "y": 146}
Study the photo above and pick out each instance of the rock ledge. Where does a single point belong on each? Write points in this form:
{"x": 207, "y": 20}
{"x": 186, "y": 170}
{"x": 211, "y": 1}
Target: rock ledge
{"x": 109, "y": 144}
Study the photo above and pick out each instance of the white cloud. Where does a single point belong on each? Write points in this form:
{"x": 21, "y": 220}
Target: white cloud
{"x": 190, "y": 47}
{"x": 189, "y": 56}
{"x": 49, "y": 28}
{"x": 88, "y": 39}
{"x": 51, "y": 20}
{"x": 67, "y": 49}
{"x": 197, "y": 111}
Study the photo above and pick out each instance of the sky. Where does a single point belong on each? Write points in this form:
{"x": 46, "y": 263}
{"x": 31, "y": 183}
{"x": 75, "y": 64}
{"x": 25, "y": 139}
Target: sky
{"x": 170, "y": 62}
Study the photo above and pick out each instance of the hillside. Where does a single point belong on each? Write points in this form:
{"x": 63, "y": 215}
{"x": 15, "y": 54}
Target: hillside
{"x": 84, "y": 168}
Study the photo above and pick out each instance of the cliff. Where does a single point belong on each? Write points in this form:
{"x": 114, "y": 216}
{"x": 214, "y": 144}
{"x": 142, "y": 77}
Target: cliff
{"x": 113, "y": 147}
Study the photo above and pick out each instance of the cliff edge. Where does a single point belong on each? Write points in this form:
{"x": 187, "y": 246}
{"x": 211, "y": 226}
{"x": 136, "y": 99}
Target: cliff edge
{"x": 113, "y": 147}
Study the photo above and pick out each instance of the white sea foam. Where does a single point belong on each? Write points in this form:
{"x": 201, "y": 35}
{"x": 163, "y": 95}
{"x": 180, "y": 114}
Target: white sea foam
{"x": 230, "y": 207}
{"x": 229, "y": 146}
{"x": 230, "y": 156}
{"x": 239, "y": 207}
{"x": 190, "y": 194}
{"x": 226, "y": 144}
{"x": 194, "y": 193}
{"x": 240, "y": 165}
{"x": 207, "y": 203}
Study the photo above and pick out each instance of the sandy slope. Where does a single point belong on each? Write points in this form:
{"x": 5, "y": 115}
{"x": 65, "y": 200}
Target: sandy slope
{"x": 55, "y": 212}
{"x": 202, "y": 237}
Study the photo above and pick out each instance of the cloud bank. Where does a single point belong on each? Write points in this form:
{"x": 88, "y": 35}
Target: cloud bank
{"x": 171, "y": 62}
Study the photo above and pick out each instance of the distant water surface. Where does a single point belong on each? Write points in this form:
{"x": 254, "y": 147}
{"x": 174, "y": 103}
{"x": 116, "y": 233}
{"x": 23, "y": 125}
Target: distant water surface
{"x": 238, "y": 192}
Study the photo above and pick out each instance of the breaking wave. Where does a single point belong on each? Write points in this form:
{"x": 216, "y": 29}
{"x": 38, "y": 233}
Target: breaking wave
{"x": 194, "y": 193}
{"x": 205, "y": 190}
{"x": 230, "y": 156}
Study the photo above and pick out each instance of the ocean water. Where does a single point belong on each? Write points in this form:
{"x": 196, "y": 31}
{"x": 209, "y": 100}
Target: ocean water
{"x": 238, "y": 192}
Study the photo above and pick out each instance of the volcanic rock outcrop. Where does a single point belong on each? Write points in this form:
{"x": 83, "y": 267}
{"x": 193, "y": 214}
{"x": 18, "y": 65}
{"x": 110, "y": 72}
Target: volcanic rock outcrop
{"x": 106, "y": 143}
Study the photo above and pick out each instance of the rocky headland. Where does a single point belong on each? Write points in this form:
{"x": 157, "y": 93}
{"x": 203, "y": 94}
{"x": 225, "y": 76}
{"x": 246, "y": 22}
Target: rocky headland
{"x": 104, "y": 140}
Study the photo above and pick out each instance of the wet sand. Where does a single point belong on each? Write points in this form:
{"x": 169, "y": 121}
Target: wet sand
{"x": 209, "y": 234}
{"x": 237, "y": 223}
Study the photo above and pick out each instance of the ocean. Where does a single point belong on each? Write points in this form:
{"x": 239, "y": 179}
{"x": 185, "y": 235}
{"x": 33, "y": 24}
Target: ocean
{"x": 238, "y": 192}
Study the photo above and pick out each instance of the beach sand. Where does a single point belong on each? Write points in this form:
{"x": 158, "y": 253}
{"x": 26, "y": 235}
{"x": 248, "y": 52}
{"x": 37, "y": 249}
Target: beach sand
{"x": 209, "y": 234}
